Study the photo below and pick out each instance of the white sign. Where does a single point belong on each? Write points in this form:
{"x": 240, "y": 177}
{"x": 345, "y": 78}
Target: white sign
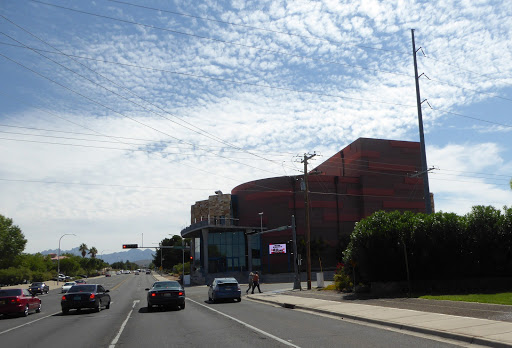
{"x": 277, "y": 248}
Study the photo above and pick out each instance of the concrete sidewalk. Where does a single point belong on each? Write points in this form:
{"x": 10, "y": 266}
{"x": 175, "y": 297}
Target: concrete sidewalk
{"x": 468, "y": 330}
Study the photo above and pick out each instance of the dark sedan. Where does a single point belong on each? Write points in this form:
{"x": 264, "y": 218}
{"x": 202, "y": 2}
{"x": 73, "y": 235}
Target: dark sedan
{"x": 18, "y": 301}
{"x": 39, "y": 288}
{"x": 166, "y": 293}
{"x": 92, "y": 296}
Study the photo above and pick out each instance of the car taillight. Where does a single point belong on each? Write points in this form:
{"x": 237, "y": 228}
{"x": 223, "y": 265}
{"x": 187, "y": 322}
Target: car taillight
{"x": 153, "y": 294}
{"x": 91, "y": 297}
{"x": 63, "y": 298}
{"x": 15, "y": 300}
{"x": 180, "y": 293}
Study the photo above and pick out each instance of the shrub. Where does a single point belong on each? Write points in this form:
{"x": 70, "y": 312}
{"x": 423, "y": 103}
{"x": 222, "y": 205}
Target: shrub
{"x": 341, "y": 279}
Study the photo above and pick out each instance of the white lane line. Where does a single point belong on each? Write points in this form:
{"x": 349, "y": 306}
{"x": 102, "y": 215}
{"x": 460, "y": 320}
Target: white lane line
{"x": 248, "y": 325}
{"x": 114, "y": 341}
{"x": 33, "y": 321}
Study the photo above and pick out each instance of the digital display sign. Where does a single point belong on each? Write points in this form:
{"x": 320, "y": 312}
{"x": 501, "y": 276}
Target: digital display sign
{"x": 277, "y": 248}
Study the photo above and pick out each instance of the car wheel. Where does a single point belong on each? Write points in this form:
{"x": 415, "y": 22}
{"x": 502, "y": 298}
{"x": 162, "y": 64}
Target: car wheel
{"x": 240, "y": 299}
{"x": 25, "y": 312}
{"x": 38, "y": 309}
{"x": 65, "y": 311}
{"x": 108, "y": 305}
{"x": 183, "y": 305}
{"x": 97, "y": 308}
{"x": 150, "y": 308}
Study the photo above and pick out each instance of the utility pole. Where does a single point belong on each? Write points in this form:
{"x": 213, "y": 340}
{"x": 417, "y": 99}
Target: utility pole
{"x": 426, "y": 189}
{"x": 306, "y": 208}
{"x": 296, "y": 282}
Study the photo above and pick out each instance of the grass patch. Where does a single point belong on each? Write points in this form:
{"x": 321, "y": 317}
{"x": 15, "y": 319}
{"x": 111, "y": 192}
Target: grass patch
{"x": 504, "y": 298}
{"x": 328, "y": 287}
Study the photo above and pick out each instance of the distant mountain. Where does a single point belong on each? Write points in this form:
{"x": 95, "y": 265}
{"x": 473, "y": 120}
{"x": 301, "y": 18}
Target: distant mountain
{"x": 141, "y": 257}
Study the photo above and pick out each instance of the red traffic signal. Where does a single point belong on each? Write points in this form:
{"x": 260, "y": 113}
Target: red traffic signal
{"x": 130, "y": 246}
{"x": 191, "y": 258}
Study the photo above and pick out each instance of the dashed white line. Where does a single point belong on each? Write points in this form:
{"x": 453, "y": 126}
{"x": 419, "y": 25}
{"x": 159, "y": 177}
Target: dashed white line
{"x": 114, "y": 341}
{"x": 31, "y": 322}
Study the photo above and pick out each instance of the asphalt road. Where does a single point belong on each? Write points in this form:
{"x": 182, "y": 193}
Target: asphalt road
{"x": 202, "y": 324}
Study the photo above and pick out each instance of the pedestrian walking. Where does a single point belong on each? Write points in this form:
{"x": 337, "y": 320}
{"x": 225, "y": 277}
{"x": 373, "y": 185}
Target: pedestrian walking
{"x": 251, "y": 275}
{"x": 256, "y": 282}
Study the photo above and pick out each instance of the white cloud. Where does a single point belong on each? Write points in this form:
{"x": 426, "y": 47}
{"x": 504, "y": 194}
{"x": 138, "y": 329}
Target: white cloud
{"x": 368, "y": 93}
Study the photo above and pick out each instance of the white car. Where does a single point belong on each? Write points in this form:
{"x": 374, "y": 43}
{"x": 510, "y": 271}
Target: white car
{"x": 67, "y": 286}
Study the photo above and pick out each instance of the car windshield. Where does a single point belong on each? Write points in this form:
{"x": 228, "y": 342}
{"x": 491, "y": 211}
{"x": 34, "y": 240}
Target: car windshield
{"x": 10, "y": 292}
{"x": 67, "y": 284}
{"x": 167, "y": 285}
{"x": 37, "y": 284}
{"x": 83, "y": 288}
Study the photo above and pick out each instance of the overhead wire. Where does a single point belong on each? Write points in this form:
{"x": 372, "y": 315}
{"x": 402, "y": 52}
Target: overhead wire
{"x": 201, "y": 132}
{"x": 113, "y": 110}
{"x": 259, "y": 28}
{"x": 219, "y": 148}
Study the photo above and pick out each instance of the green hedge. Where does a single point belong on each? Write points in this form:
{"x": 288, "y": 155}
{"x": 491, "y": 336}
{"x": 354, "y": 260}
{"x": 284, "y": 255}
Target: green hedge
{"x": 437, "y": 246}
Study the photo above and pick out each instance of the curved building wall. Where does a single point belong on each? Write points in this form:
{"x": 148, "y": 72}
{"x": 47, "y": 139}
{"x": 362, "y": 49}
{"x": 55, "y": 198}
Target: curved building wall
{"x": 367, "y": 176}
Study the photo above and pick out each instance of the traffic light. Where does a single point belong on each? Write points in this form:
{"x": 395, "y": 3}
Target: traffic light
{"x": 130, "y": 246}
{"x": 191, "y": 258}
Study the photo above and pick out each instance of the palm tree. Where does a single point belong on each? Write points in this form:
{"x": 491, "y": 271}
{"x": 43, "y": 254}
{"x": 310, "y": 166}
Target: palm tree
{"x": 93, "y": 251}
{"x": 83, "y": 249}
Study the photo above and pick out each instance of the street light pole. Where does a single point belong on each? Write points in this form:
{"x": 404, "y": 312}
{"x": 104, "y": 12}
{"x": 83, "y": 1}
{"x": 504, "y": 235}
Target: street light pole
{"x": 58, "y": 255}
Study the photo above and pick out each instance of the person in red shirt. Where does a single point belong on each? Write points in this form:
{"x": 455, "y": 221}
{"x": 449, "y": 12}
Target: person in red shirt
{"x": 256, "y": 282}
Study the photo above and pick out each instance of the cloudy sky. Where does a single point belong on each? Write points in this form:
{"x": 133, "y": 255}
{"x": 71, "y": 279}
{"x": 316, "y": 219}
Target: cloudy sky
{"x": 118, "y": 115}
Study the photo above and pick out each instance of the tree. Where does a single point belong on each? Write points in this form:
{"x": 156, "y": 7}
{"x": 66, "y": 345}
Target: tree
{"x": 170, "y": 256}
{"x": 83, "y": 249}
{"x": 69, "y": 265}
{"x": 12, "y": 242}
{"x": 93, "y": 252}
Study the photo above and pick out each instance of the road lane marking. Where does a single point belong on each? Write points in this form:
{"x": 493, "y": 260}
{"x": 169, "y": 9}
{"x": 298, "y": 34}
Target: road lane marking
{"x": 33, "y": 321}
{"x": 118, "y": 285}
{"x": 247, "y": 325}
{"x": 114, "y": 341}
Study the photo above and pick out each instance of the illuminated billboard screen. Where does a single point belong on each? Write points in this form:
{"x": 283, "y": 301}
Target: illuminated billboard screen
{"x": 277, "y": 248}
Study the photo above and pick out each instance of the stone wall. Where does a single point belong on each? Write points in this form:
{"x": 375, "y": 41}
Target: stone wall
{"x": 215, "y": 206}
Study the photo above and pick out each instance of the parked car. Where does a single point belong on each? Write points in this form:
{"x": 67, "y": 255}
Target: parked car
{"x": 39, "y": 288}
{"x": 67, "y": 286}
{"x": 18, "y": 301}
{"x": 80, "y": 281}
{"x": 93, "y": 296}
{"x": 166, "y": 293}
{"x": 224, "y": 289}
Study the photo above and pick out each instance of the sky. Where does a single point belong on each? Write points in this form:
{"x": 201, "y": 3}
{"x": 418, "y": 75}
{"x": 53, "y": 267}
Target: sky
{"x": 117, "y": 116}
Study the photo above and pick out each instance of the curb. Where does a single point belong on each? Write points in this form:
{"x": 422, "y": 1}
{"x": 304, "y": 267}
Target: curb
{"x": 443, "y": 334}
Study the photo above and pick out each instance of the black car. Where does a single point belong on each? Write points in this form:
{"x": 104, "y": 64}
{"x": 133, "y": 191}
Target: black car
{"x": 39, "y": 288}
{"x": 166, "y": 293}
{"x": 81, "y": 296}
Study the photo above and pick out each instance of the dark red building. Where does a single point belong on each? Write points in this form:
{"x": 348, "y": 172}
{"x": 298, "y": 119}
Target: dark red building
{"x": 367, "y": 176}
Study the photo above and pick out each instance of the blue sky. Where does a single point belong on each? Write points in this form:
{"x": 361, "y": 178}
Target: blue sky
{"x": 117, "y": 116}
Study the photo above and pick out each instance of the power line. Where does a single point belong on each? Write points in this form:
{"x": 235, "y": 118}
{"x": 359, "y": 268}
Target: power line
{"x": 332, "y": 62}
{"x": 117, "y": 112}
{"x": 219, "y": 148}
{"x": 258, "y": 28}
{"x": 173, "y": 31}
{"x": 202, "y": 132}
{"x": 290, "y": 89}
